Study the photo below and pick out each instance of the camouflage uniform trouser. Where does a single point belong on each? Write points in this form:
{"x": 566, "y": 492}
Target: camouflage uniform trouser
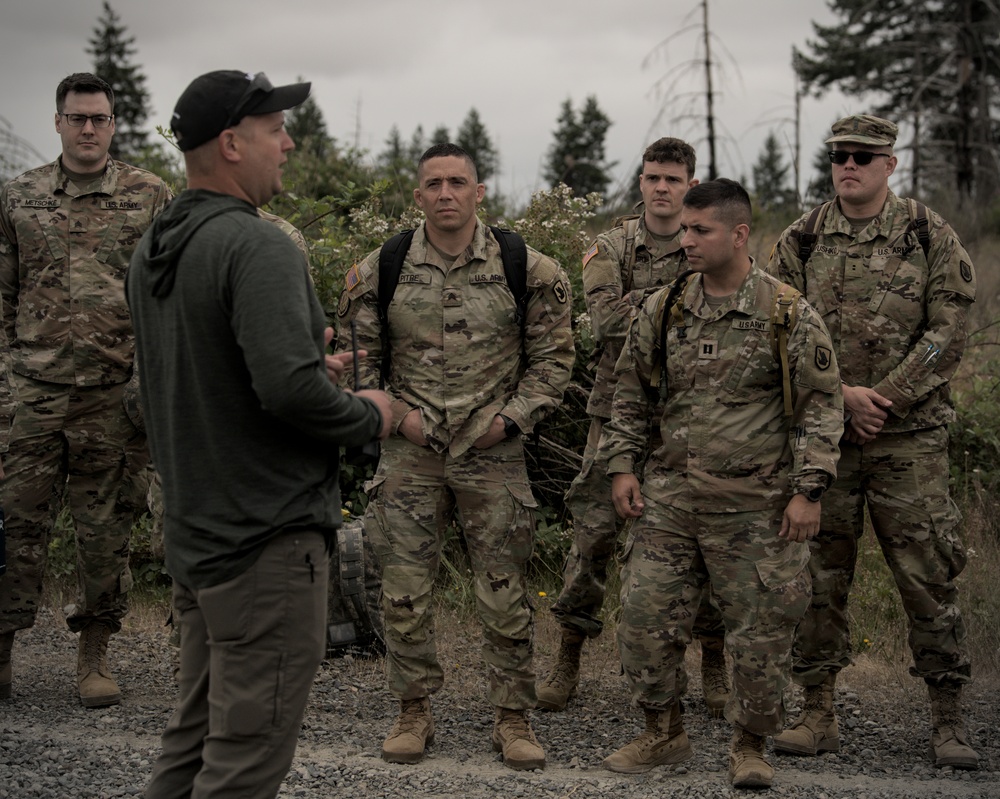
{"x": 595, "y": 532}
{"x": 760, "y": 582}
{"x": 68, "y": 439}
{"x": 414, "y": 495}
{"x": 902, "y": 479}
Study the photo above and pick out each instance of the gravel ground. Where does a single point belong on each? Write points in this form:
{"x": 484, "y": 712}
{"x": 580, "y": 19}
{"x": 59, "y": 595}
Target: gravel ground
{"x": 51, "y": 747}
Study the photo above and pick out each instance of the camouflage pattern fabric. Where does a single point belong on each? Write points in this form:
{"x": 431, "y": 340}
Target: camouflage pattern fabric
{"x": 414, "y": 495}
{"x": 81, "y": 432}
{"x": 365, "y": 578}
{"x": 716, "y": 487}
{"x": 458, "y": 355}
{"x": 760, "y": 582}
{"x": 909, "y": 314}
{"x": 456, "y": 346}
{"x": 64, "y": 254}
{"x": 614, "y": 293}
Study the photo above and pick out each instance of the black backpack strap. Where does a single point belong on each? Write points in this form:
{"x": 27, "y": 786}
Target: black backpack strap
{"x": 810, "y": 233}
{"x": 390, "y": 265}
{"x": 672, "y": 313}
{"x": 514, "y": 253}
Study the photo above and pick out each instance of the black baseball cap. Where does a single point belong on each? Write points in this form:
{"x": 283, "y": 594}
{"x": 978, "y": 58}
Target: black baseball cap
{"x": 218, "y": 100}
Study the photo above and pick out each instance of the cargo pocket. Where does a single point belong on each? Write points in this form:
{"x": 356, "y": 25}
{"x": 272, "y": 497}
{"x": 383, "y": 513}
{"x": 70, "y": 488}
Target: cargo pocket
{"x": 947, "y": 542}
{"x": 787, "y": 585}
{"x": 517, "y": 543}
{"x": 252, "y": 681}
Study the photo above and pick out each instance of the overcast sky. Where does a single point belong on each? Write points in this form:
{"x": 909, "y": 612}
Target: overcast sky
{"x": 375, "y": 63}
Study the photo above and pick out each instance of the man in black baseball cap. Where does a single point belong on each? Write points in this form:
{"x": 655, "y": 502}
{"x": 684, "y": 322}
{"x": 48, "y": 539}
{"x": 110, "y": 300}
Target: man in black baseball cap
{"x": 219, "y": 100}
{"x": 245, "y": 428}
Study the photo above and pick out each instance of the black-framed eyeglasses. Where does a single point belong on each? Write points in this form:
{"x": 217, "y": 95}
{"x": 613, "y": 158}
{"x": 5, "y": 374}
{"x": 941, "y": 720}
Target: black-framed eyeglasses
{"x": 861, "y": 157}
{"x": 260, "y": 85}
{"x": 79, "y": 120}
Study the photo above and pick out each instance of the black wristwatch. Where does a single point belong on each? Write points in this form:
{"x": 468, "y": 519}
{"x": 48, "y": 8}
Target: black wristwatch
{"x": 815, "y": 494}
{"x": 510, "y": 427}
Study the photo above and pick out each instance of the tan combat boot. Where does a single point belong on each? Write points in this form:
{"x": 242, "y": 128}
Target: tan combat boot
{"x": 97, "y": 687}
{"x": 714, "y": 676}
{"x": 412, "y": 732}
{"x": 663, "y": 742}
{"x": 555, "y": 690}
{"x": 815, "y": 729}
{"x": 513, "y": 736}
{"x": 6, "y": 672}
{"x": 747, "y": 766}
{"x": 949, "y": 744}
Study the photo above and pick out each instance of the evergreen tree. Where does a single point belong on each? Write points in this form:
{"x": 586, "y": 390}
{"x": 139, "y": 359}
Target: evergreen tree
{"x": 770, "y": 178}
{"x": 473, "y": 138}
{"x": 440, "y": 135}
{"x": 306, "y": 126}
{"x": 113, "y": 51}
{"x": 934, "y": 64}
{"x": 577, "y": 156}
{"x": 820, "y": 188}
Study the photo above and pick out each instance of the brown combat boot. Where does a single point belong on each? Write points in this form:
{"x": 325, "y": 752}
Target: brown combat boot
{"x": 815, "y": 729}
{"x": 97, "y": 687}
{"x": 555, "y": 690}
{"x": 714, "y": 676}
{"x": 412, "y": 732}
{"x": 747, "y": 766}
{"x": 513, "y": 736}
{"x": 663, "y": 742}
{"x": 6, "y": 672}
{"x": 949, "y": 744}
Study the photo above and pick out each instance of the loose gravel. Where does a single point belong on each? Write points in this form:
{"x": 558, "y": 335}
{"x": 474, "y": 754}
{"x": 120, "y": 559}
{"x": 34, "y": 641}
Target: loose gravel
{"x": 53, "y": 748}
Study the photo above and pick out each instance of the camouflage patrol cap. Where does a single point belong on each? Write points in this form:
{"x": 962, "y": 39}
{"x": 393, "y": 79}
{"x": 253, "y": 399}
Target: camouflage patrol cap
{"x": 218, "y": 100}
{"x": 864, "y": 129}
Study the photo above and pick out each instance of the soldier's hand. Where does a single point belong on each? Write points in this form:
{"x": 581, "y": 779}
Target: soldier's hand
{"x": 801, "y": 519}
{"x": 381, "y": 399}
{"x": 496, "y": 434}
{"x": 337, "y": 363}
{"x": 626, "y": 493}
{"x": 412, "y": 428}
{"x": 868, "y": 409}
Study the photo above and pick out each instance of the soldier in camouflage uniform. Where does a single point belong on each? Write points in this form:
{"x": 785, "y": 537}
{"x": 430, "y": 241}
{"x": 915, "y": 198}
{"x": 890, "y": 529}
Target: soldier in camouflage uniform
{"x": 467, "y": 379}
{"x": 622, "y": 268}
{"x": 898, "y": 315}
{"x": 67, "y": 231}
{"x": 731, "y": 494}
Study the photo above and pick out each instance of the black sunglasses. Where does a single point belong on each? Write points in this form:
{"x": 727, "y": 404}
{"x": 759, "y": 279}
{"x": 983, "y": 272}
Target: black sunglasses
{"x": 259, "y": 86}
{"x": 861, "y": 157}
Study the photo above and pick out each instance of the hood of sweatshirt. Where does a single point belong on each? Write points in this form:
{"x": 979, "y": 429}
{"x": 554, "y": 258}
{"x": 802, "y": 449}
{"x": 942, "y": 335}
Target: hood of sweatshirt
{"x": 172, "y": 230}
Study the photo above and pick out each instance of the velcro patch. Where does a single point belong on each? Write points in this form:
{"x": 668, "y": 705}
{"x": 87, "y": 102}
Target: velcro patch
{"x": 121, "y": 205}
{"x": 750, "y": 324}
{"x": 823, "y": 358}
{"x": 590, "y": 253}
{"x": 353, "y": 277}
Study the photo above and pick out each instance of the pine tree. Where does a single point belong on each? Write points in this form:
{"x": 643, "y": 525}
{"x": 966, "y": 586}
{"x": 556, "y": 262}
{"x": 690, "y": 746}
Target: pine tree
{"x": 473, "y": 138}
{"x": 113, "y": 51}
{"x": 820, "y": 188}
{"x": 577, "y": 156}
{"x": 770, "y": 178}
{"x": 440, "y": 135}
{"x": 306, "y": 126}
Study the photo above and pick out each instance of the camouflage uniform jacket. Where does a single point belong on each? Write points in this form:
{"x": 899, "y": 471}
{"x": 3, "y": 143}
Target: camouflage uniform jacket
{"x": 728, "y": 445}
{"x": 455, "y": 343}
{"x": 613, "y": 305}
{"x": 898, "y": 319}
{"x": 63, "y": 258}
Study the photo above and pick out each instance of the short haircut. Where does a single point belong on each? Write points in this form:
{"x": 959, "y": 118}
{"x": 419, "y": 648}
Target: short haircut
{"x": 83, "y": 83}
{"x": 444, "y": 150}
{"x": 729, "y": 198}
{"x": 670, "y": 150}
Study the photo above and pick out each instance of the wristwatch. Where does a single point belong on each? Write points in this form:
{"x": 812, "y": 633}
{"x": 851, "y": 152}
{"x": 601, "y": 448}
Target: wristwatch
{"x": 815, "y": 494}
{"x": 510, "y": 427}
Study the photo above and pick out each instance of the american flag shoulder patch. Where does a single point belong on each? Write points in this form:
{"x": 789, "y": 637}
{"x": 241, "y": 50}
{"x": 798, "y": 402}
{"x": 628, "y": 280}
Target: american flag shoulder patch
{"x": 353, "y": 277}
{"x": 590, "y": 253}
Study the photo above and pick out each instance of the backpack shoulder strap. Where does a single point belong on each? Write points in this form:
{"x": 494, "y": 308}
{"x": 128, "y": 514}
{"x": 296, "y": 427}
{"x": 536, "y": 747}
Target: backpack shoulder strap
{"x": 920, "y": 224}
{"x": 810, "y": 233}
{"x": 631, "y": 225}
{"x": 390, "y": 265}
{"x": 784, "y": 312}
{"x": 672, "y": 315}
{"x": 514, "y": 254}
